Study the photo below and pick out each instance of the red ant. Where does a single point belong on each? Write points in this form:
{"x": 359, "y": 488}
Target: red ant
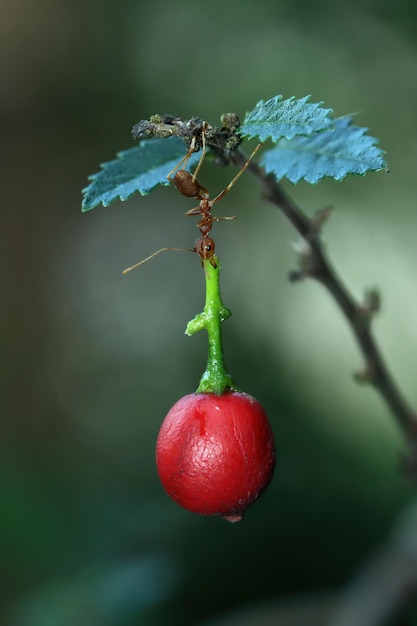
{"x": 188, "y": 185}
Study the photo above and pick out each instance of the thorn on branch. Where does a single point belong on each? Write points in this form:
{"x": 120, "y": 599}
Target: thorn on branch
{"x": 309, "y": 267}
{"x": 372, "y": 301}
{"x": 295, "y": 276}
{"x": 366, "y": 376}
{"x": 307, "y": 262}
{"x": 320, "y": 217}
{"x": 370, "y": 307}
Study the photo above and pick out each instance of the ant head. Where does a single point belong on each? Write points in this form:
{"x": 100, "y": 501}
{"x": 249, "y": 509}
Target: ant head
{"x": 204, "y": 246}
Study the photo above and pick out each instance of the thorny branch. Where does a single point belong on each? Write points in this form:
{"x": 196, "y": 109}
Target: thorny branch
{"x": 359, "y": 317}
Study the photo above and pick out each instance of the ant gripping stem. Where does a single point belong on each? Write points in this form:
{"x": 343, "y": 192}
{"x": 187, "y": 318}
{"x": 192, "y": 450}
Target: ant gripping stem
{"x": 204, "y": 246}
{"x": 188, "y": 185}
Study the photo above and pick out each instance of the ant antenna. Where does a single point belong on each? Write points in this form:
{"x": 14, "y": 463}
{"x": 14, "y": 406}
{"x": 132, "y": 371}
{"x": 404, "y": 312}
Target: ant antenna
{"x": 151, "y": 256}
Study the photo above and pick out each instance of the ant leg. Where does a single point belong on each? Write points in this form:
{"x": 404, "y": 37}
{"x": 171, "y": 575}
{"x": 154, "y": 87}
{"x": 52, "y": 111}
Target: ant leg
{"x": 220, "y": 219}
{"x": 184, "y": 161}
{"x": 236, "y": 178}
{"x": 228, "y": 218}
{"x": 203, "y": 208}
{"x": 203, "y": 151}
{"x": 195, "y": 211}
{"x": 216, "y": 219}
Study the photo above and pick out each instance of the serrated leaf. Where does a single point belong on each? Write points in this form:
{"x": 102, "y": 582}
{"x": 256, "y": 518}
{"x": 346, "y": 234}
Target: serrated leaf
{"x": 345, "y": 149}
{"x": 140, "y": 169}
{"x": 277, "y": 118}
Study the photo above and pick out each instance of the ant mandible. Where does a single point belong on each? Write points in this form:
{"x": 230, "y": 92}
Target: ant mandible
{"x": 188, "y": 185}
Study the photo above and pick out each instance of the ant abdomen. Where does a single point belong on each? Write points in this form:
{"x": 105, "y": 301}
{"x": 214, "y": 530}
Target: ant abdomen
{"x": 188, "y": 186}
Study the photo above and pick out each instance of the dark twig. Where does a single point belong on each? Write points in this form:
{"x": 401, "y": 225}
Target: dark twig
{"x": 315, "y": 264}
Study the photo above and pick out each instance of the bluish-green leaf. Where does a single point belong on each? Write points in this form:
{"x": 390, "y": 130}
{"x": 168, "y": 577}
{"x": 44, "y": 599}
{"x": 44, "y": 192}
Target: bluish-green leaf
{"x": 276, "y": 118}
{"x": 345, "y": 149}
{"x": 140, "y": 169}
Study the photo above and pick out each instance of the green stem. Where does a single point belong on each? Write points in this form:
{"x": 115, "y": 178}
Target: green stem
{"x": 215, "y": 379}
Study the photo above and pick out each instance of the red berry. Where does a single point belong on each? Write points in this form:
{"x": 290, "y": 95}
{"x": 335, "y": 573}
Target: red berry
{"x": 215, "y": 454}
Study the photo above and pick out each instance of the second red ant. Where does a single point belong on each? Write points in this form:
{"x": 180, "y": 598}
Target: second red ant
{"x": 188, "y": 185}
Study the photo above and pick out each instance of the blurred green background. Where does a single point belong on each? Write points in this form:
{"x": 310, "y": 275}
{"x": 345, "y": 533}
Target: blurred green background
{"x": 92, "y": 361}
